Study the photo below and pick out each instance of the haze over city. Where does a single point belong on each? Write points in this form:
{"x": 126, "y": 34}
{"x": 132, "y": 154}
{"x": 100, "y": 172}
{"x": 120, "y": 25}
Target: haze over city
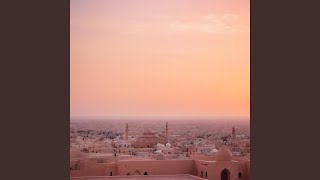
{"x": 159, "y": 89}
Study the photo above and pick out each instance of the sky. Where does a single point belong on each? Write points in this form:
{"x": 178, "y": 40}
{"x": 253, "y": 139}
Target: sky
{"x": 140, "y": 58}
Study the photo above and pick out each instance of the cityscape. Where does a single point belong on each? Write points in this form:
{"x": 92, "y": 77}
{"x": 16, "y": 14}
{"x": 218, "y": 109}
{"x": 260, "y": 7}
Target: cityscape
{"x": 159, "y": 90}
{"x": 200, "y": 148}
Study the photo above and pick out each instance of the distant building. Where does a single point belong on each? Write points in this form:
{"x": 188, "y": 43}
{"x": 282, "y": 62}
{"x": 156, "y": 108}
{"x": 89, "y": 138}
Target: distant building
{"x": 149, "y": 139}
{"x": 127, "y": 131}
{"x": 233, "y": 133}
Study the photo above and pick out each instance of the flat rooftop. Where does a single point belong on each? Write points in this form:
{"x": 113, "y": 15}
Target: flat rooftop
{"x": 148, "y": 177}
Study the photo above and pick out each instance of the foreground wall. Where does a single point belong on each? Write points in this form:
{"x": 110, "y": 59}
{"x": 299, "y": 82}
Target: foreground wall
{"x": 159, "y": 167}
{"x": 237, "y": 170}
{"x": 92, "y": 168}
{"x": 212, "y": 170}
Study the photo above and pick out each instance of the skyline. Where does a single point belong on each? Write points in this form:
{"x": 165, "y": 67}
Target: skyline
{"x": 168, "y": 59}
{"x": 157, "y": 117}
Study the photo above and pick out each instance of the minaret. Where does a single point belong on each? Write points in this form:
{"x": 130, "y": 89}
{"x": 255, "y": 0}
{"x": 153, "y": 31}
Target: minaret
{"x": 167, "y": 128}
{"x": 233, "y": 133}
{"x": 127, "y": 131}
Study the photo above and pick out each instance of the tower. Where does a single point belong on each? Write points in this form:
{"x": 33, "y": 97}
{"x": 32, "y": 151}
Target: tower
{"x": 127, "y": 131}
{"x": 167, "y": 128}
{"x": 233, "y": 133}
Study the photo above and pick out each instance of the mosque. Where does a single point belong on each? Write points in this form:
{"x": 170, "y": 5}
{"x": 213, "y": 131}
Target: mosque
{"x": 219, "y": 165}
{"x": 149, "y": 139}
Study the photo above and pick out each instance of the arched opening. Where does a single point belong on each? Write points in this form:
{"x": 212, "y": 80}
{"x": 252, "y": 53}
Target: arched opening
{"x": 206, "y": 176}
{"x": 239, "y": 175}
{"x": 128, "y": 174}
{"x": 136, "y": 173}
{"x": 225, "y": 174}
{"x": 145, "y": 173}
{"x": 110, "y": 173}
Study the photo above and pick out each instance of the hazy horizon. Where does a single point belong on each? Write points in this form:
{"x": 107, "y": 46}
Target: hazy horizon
{"x": 161, "y": 118}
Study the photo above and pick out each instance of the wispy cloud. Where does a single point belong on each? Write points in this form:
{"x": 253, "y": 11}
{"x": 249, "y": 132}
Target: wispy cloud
{"x": 212, "y": 23}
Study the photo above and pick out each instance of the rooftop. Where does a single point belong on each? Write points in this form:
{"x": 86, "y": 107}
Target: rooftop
{"x": 149, "y": 177}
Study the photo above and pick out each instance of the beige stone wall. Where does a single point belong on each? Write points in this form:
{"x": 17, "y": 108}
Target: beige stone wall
{"x": 201, "y": 166}
{"x": 214, "y": 169}
{"x": 164, "y": 167}
{"x": 157, "y": 167}
{"x": 248, "y": 170}
{"x": 93, "y": 168}
{"x": 75, "y": 173}
{"x": 243, "y": 169}
{"x": 109, "y": 170}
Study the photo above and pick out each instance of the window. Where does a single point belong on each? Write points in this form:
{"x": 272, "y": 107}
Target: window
{"x": 201, "y": 174}
{"x": 145, "y": 173}
{"x": 206, "y": 175}
{"x": 110, "y": 173}
{"x": 239, "y": 175}
{"x": 128, "y": 174}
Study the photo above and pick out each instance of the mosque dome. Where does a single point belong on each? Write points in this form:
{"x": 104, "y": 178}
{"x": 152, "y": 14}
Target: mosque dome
{"x": 148, "y": 131}
{"x": 213, "y": 151}
{"x": 158, "y": 152}
{"x": 223, "y": 154}
{"x": 160, "y": 146}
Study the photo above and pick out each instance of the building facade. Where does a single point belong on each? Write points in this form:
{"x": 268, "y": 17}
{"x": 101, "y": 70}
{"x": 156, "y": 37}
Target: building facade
{"x": 218, "y": 166}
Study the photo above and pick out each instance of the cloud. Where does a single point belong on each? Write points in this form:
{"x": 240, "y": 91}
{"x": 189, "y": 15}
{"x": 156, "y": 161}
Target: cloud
{"x": 212, "y": 23}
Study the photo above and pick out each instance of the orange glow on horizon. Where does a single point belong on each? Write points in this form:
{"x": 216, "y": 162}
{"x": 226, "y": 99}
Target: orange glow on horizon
{"x": 189, "y": 58}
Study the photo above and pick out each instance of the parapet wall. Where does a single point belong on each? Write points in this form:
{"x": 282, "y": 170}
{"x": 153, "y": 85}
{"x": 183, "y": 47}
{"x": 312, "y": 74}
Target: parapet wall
{"x": 159, "y": 167}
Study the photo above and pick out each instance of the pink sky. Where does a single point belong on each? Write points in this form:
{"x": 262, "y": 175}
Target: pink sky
{"x": 160, "y": 58}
